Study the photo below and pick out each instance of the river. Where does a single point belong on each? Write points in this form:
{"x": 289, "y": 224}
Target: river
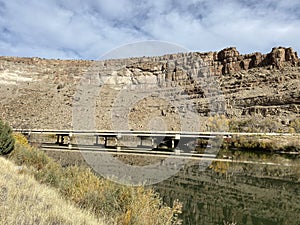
{"x": 263, "y": 190}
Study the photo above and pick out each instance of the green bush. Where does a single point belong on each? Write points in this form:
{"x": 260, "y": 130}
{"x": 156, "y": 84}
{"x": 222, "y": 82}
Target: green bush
{"x": 7, "y": 140}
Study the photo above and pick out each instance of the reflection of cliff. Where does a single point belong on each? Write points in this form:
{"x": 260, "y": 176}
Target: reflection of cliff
{"x": 248, "y": 196}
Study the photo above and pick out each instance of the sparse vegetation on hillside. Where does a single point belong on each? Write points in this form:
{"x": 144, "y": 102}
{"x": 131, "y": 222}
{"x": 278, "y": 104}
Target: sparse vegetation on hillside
{"x": 256, "y": 125}
{"x": 7, "y": 141}
{"x": 218, "y": 123}
{"x": 126, "y": 205}
{"x": 295, "y": 126}
{"x": 24, "y": 201}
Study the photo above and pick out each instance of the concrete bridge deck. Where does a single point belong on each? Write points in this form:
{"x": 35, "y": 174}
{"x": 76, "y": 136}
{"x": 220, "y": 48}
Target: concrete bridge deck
{"x": 154, "y": 139}
{"x": 148, "y": 133}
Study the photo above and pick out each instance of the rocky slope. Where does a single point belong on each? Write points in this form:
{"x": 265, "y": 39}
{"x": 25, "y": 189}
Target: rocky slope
{"x": 174, "y": 92}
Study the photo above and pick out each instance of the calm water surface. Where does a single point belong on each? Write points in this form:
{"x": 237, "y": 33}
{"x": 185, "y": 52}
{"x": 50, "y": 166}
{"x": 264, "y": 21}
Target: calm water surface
{"x": 267, "y": 192}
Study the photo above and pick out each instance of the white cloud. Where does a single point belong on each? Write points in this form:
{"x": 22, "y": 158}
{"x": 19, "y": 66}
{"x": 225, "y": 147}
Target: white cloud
{"x": 88, "y": 29}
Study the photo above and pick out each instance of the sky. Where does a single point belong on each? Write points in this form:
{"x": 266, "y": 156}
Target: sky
{"x": 89, "y": 29}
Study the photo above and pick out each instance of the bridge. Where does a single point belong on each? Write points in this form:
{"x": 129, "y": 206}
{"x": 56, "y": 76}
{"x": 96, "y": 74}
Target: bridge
{"x": 151, "y": 139}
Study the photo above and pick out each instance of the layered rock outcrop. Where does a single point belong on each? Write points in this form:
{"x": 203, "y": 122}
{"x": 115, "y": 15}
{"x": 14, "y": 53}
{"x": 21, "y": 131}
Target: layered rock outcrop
{"x": 229, "y": 60}
{"x": 40, "y": 93}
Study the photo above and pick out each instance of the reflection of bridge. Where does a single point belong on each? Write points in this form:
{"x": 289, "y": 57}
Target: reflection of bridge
{"x": 153, "y": 139}
{"x": 246, "y": 194}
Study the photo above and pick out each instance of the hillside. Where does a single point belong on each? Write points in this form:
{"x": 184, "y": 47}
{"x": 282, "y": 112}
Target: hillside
{"x": 164, "y": 92}
{"x": 24, "y": 201}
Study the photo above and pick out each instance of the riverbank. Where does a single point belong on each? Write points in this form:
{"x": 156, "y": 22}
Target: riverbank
{"x": 23, "y": 200}
{"x": 100, "y": 197}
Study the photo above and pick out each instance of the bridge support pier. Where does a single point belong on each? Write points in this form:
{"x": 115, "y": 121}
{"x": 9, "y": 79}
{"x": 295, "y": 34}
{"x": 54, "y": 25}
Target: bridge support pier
{"x": 70, "y": 141}
{"x": 60, "y": 139}
{"x": 107, "y": 140}
{"x": 175, "y": 140}
{"x": 97, "y": 140}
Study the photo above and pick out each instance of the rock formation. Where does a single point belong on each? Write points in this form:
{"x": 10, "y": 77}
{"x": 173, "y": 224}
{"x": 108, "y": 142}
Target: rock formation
{"x": 41, "y": 93}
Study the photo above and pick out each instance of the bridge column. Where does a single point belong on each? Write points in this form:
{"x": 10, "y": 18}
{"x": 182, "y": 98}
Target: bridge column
{"x": 70, "y": 140}
{"x": 105, "y": 141}
{"x": 173, "y": 143}
{"x": 153, "y": 144}
{"x": 118, "y": 137}
{"x": 57, "y": 138}
{"x": 97, "y": 140}
{"x": 177, "y": 138}
{"x": 60, "y": 139}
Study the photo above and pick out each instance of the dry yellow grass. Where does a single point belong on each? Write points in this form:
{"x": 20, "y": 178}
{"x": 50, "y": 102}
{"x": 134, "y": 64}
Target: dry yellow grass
{"x": 24, "y": 201}
{"x": 118, "y": 204}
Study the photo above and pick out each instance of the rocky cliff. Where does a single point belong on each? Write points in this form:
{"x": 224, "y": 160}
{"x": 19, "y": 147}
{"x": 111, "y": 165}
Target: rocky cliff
{"x": 164, "y": 92}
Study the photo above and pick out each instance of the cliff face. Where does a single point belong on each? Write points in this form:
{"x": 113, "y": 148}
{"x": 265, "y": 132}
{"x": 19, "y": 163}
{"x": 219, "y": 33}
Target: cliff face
{"x": 231, "y": 61}
{"x": 149, "y": 92}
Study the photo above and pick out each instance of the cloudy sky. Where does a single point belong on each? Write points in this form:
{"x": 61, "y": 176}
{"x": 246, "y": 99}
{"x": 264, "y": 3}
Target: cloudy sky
{"x": 87, "y": 29}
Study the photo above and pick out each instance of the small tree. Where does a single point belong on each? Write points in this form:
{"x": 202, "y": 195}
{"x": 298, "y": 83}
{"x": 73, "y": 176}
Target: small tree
{"x": 7, "y": 141}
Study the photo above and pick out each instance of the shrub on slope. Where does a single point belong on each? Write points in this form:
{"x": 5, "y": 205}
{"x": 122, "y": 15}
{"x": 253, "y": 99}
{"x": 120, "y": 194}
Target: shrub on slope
{"x": 7, "y": 141}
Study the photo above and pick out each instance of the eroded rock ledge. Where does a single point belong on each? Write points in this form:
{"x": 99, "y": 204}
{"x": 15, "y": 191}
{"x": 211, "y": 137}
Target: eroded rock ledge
{"x": 229, "y": 60}
{"x": 39, "y": 93}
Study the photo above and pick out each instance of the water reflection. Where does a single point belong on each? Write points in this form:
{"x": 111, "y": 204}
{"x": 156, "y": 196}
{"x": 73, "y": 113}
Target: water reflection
{"x": 267, "y": 192}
